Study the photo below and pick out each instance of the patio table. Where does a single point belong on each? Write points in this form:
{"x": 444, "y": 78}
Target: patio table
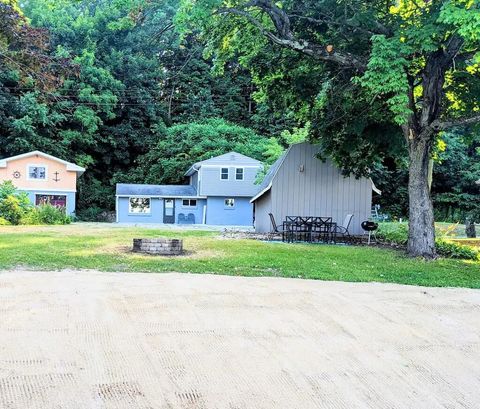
{"x": 308, "y": 229}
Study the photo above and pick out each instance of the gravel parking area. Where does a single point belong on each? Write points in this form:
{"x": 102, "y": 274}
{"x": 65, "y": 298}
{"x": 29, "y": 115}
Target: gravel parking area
{"x": 74, "y": 339}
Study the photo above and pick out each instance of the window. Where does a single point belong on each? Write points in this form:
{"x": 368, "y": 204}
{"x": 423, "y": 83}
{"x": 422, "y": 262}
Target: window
{"x": 139, "y": 205}
{"x": 229, "y": 203}
{"x": 37, "y": 172}
{"x": 189, "y": 203}
{"x": 54, "y": 200}
{"x": 239, "y": 174}
{"x": 224, "y": 174}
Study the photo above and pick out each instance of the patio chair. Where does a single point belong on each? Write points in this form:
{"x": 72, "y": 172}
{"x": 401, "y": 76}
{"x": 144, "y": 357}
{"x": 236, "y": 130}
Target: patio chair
{"x": 275, "y": 229}
{"x": 190, "y": 218}
{"x": 181, "y": 218}
{"x": 342, "y": 230}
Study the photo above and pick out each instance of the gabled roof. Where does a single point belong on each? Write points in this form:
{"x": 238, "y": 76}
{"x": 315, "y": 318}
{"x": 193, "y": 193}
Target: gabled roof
{"x": 267, "y": 181}
{"x": 266, "y": 184}
{"x": 70, "y": 166}
{"x": 227, "y": 159}
{"x": 124, "y": 189}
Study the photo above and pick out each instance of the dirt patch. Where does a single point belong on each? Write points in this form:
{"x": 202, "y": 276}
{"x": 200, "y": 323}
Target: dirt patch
{"x": 76, "y": 339}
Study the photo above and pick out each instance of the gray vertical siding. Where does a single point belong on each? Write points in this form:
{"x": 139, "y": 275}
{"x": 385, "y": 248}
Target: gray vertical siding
{"x": 263, "y": 206}
{"x": 320, "y": 190}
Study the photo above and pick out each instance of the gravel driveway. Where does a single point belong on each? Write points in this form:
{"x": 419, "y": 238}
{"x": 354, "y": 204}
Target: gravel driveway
{"x": 99, "y": 340}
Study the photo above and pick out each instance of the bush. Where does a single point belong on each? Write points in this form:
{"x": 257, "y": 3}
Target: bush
{"x": 13, "y": 203}
{"x": 393, "y": 233}
{"x": 48, "y": 214}
{"x": 4, "y": 222}
{"x": 397, "y": 233}
{"x": 11, "y": 209}
{"x": 454, "y": 250}
{"x": 32, "y": 217}
{"x": 15, "y": 208}
{"x": 91, "y": 214}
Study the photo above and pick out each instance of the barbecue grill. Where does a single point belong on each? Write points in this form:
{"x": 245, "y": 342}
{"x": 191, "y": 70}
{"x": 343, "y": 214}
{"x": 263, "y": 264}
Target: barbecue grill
{"x": 369, "y": 227}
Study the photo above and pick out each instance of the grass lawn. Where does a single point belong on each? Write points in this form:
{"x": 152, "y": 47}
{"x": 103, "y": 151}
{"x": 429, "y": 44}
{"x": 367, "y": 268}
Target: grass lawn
{"x": 107, "y": 248}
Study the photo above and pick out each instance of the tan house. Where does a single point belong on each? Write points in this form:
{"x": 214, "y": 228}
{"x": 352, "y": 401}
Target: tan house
{"x": 44, "y": 177}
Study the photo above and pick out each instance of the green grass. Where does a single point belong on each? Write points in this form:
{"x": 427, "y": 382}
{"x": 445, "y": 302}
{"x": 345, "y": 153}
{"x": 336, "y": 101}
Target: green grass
{"x": 107, "y": 248}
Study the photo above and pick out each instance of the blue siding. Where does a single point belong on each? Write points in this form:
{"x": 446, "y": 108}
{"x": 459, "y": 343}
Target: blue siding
{"x": 197, "y": 211}
{"x": 70, "y": 197}
{"x": 240, "y": 215}
{"x": 155, "y": 215}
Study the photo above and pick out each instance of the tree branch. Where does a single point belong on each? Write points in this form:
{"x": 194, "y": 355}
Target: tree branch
{"x": 379, "y": 29}
{"x": 285, "y": 38}
{"x": 444, "y": 125}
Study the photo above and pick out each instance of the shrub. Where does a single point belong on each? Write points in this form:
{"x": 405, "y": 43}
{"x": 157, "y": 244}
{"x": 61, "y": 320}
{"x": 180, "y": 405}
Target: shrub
{"x": 32, "y": 217}
{"x": 397, "y": 233}
{"x": 91, "y": 214}
{"x": 13, "y": 203}
{"x": 393, "y": 233}
{"x": 48, "y": 214}
{"x": 4, "y": 222}
{"x": 454, "y": 250}
{"x": 11, "y": 209}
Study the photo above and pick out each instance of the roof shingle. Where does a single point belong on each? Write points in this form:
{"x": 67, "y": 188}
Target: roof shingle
{"x": 124, "y": 189}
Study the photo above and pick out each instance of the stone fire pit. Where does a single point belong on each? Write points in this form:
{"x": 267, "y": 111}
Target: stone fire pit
{"x": 159, "y": 246}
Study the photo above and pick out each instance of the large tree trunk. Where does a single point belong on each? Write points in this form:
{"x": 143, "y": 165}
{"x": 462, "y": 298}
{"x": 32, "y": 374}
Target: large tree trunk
{"x": 421, "y": 235}
{"x": 470, "y": 228}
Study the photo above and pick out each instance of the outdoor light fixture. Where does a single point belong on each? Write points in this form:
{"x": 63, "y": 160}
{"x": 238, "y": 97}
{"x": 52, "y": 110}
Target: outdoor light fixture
{"x": 301, "y": 168}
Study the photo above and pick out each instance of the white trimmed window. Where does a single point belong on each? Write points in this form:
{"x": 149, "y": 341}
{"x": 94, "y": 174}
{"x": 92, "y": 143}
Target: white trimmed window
{"x": 229, "y": 203}
{"x": 239, "y": 174}
{"x": 139, "y": 205}
{"x": 189, "y": 203}
{"x": 36, "y": 172}
{"x": 224, "y": 173}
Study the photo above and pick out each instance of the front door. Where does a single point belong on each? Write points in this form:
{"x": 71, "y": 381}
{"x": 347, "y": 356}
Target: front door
{"x": 169, "y": 210}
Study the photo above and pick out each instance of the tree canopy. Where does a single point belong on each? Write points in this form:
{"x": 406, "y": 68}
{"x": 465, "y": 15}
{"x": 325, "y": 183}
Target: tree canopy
{"x": 366, "y": 73}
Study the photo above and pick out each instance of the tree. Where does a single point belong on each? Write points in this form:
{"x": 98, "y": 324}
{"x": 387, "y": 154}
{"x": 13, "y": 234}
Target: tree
{"x": 414, "y": 64}
{"x": 132, "y": 77}
{"x": 456, "y": 170}
{"x": 181, "y": 145}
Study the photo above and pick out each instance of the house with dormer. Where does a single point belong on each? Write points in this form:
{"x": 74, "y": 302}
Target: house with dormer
{"x": 218, "y": 193}
{"x": 46, "y": 178}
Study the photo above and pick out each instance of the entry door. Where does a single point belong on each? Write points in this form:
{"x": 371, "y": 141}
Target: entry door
{"x": 168, "y": 210}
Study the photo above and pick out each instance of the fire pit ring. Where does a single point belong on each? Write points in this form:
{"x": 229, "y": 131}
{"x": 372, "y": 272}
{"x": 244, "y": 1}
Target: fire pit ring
{"x": 158, "y": 246}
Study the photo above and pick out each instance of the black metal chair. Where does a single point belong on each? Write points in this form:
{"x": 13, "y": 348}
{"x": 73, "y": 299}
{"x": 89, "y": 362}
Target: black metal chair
{"x": 342, "y": 230}
{"x": 275, "y": 229}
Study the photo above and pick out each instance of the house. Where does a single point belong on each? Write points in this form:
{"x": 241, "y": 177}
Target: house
{"x": 218, "y": 193}
{"x": 300, "y": 184}
{"x": 44, "y": 177}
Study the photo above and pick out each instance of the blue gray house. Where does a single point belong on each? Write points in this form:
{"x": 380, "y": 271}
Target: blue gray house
{"x": 218, "y": 193}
